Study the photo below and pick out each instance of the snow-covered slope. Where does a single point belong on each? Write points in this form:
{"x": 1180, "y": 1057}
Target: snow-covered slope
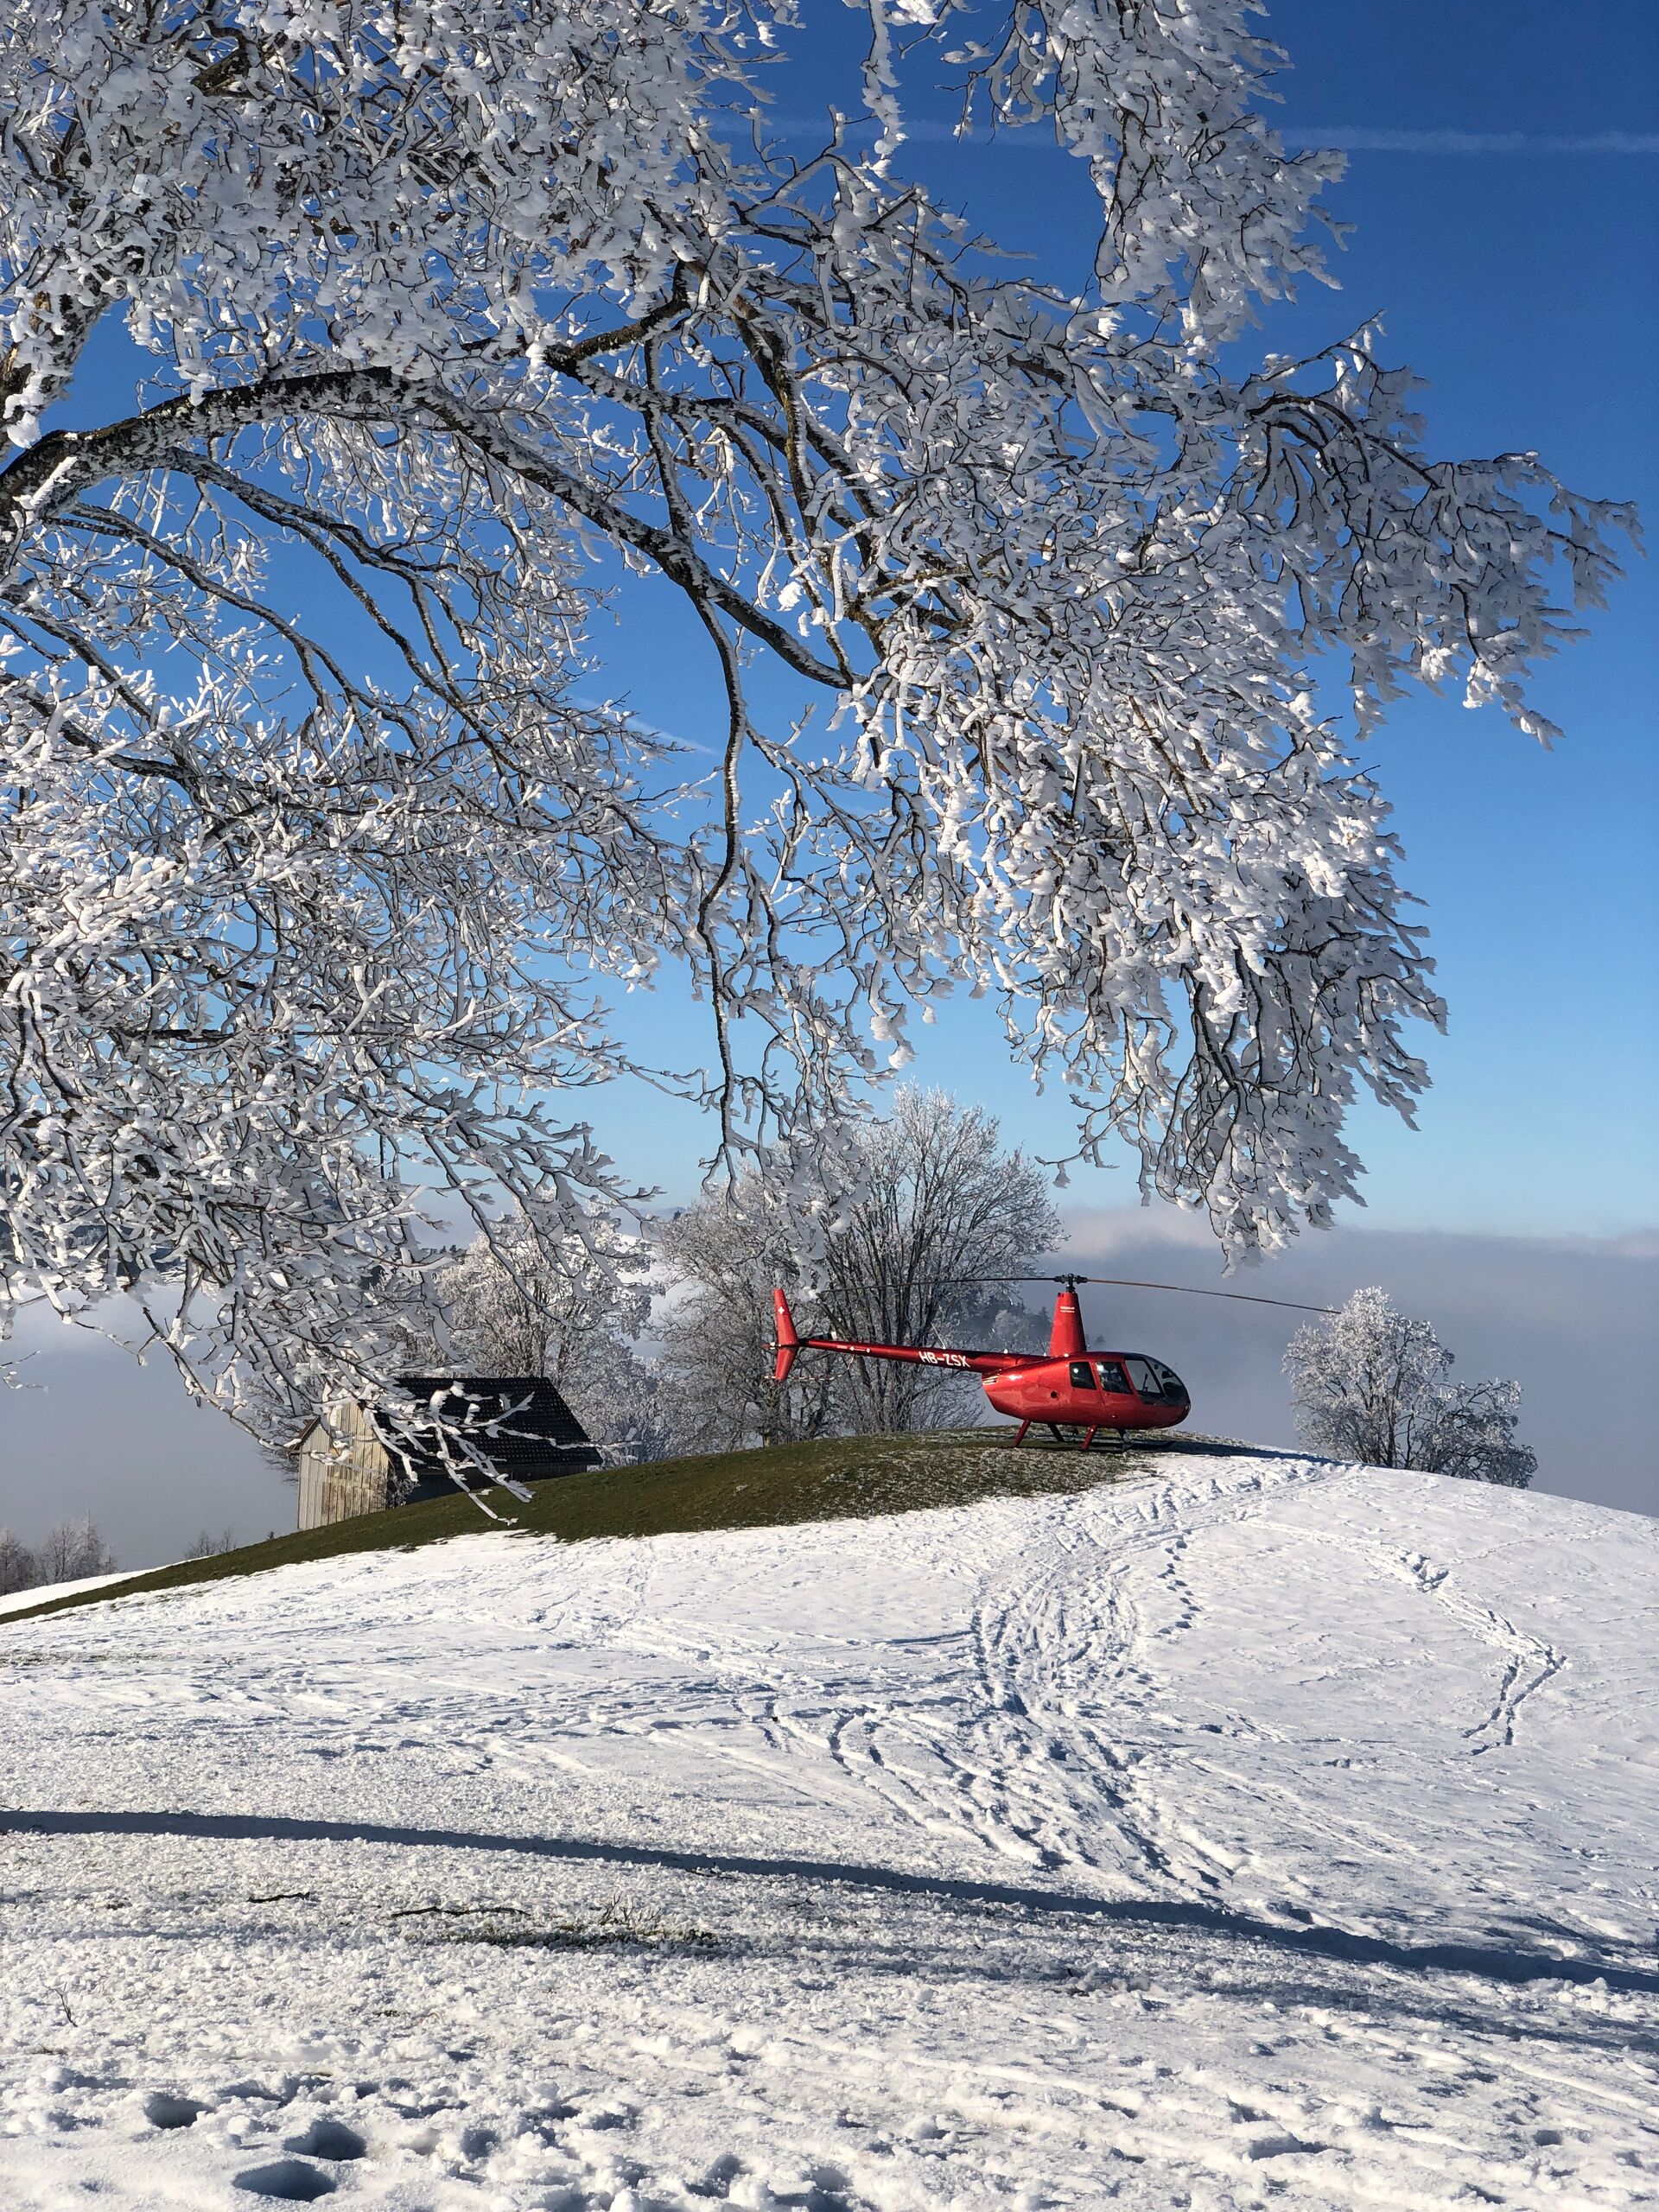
{"x": 1268, "y": 1832}
{"x": 41, "y": 1593}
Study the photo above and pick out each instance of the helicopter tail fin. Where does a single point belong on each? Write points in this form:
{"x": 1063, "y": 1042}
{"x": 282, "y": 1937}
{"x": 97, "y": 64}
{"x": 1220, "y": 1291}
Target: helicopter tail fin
{"x": 788, "y": 1342}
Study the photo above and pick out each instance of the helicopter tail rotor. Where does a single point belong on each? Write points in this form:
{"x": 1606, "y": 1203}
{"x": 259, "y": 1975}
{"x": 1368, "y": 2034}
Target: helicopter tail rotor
{"x": 788, "y": 1342}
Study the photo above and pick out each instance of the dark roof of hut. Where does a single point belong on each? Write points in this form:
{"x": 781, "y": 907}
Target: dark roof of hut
{"x": 518, "y": 1423}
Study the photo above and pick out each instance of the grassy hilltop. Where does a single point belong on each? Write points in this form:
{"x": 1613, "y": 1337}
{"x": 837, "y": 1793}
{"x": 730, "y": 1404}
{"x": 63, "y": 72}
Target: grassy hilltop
{"x": 840, "y": 1478}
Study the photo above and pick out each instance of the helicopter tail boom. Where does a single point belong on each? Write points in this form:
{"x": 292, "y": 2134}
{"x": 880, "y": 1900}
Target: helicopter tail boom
{"x": 790, "y": 1345}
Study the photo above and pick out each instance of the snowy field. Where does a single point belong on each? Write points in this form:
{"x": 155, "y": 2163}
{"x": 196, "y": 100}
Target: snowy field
{"x": 1264, "y": 1832}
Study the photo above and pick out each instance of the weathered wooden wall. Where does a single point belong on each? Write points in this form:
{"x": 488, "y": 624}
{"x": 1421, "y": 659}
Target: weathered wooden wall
{"x": 343, "y": 1474}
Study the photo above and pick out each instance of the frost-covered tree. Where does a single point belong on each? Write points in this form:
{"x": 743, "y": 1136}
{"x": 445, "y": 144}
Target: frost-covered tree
{"x": 208, "y": 1545}
{"x": 19, "y": 1568}
{"x": 525, "y": 1300}
{"x": 316, "y": 835}
{"x": 1371, "y": 1384}
{"x": 896, "y": 1231}
{"x": 927, "y": 1214}
{"x": 724, "y": 1257}
{"x": 73, "y": 1551}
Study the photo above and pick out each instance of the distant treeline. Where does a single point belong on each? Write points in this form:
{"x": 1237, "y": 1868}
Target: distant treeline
{"x": 72, "y": 1552}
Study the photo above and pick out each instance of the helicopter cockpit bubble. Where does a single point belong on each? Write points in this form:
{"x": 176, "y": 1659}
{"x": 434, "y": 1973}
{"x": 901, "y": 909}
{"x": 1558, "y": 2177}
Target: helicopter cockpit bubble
{"x": 1154, "y": 1382}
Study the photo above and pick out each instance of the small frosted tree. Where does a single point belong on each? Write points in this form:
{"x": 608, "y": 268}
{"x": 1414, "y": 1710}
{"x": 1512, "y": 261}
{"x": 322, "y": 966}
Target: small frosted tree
{"x": 74, "y": 1551}
{"x": 726, "y": 1255}
{"x": 530, "y": 1299}
{"x": 1370, "y": 1384}
{"x": 19, "y": 1568}
{"x": 880, "y": 1235}
{"x": 932, "y": 1200}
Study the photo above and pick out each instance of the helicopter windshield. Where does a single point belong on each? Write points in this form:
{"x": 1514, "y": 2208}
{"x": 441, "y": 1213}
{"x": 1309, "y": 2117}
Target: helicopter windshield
{"x": 1160, "y": 1384}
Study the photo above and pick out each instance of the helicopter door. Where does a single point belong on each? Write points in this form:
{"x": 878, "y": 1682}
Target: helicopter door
{"x": 1174, "y": 1389}
{"x": 1145, "y": 1380}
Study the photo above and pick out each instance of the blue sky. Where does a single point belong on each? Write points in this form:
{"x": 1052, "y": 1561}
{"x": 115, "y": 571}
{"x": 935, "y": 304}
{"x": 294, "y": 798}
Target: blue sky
{"x": 1519, "y": 278}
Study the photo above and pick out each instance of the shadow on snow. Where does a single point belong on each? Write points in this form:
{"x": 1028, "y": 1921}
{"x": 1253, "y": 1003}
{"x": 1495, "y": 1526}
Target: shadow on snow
{"x": 1490, "y": 1962}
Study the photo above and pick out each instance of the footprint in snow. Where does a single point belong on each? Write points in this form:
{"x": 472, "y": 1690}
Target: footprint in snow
{"x": 289, "y": 2180}
{"x": 161, "y": 2110}
{"x": 1279, "y": 2144}
{"x": 328, "y": 2139}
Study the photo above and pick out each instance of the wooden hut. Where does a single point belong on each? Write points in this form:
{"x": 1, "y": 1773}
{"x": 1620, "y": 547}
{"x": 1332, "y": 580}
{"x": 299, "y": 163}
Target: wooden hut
{"x": 353, "y": 1458}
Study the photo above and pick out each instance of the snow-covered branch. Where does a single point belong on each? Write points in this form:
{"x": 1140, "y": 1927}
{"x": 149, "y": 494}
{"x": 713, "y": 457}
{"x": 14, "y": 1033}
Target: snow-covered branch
{"x": 317, "y": 847}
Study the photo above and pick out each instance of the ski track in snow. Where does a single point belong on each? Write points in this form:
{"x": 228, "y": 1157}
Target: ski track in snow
{"x": 1270, "y": 1832}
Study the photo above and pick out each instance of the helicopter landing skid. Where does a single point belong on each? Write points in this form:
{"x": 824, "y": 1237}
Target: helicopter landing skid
{"x": 1089, "y": 1436}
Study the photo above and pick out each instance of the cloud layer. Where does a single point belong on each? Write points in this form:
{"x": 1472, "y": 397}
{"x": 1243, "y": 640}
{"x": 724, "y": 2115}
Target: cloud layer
{"x": 1574, "y": 1319}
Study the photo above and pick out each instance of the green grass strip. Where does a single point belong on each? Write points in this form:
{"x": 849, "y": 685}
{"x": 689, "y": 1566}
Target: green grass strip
{"x": 841, "y": 1478}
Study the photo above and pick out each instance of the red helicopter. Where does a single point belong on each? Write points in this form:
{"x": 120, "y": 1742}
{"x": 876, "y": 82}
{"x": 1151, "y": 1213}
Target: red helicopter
{"x": 1068, "y": 1386}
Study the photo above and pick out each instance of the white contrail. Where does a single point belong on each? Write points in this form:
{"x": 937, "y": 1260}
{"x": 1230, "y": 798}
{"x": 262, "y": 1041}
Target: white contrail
{"x": 1351, "y": 138}
{"x": 1340, "y": 137}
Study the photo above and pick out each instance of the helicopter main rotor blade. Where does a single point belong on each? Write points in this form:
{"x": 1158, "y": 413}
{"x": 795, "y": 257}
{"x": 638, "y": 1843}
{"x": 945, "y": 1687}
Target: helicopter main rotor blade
{"x": 1191, "y": 1290}
{"x": 1131, "y": 1282}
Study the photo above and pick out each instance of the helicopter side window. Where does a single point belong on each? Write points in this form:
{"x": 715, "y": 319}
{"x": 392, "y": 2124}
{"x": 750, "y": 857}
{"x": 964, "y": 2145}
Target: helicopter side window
{"x": 1083, "y": 1376}
{"x": 1112, "y": 1377}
